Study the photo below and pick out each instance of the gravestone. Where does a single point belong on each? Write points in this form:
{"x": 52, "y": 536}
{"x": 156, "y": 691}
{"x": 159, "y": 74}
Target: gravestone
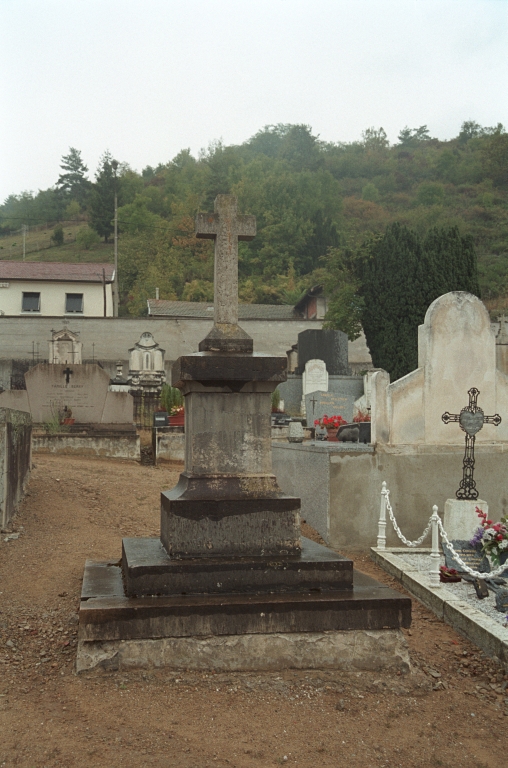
{"x": 230, "y": 561}
{"x": 315, "y": 378}
{"x": 468, "y": 554}
{"x": 327, "y": 345}
{"x": 82, "y": 389}
{"x": 460, "y": 519}
{"x": 319, "y": 404}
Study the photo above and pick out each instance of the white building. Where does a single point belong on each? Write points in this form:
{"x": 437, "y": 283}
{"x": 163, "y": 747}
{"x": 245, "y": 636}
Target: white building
{"x": 56, "y": 289}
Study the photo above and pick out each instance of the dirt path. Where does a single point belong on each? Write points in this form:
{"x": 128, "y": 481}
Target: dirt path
{"x": 451, "y": 711}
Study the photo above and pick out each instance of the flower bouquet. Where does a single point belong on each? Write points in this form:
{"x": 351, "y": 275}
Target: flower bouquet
{"x": 330, "y": 422}
{"x": 361, "y": 417}
{"x": 448, "y": 575}
{"x": 491, "y": 538}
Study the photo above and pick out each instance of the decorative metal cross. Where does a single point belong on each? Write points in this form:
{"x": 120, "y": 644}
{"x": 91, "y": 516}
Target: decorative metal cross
{"x": 68, "y": 373}
{"x": 313, "y": 401}
{"x": 471, "y": 419}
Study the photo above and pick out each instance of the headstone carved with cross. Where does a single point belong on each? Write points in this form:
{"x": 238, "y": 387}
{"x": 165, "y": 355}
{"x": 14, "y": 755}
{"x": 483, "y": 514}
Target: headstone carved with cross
{"x": 226, "y": 227}
{"x": 471, "y": 419}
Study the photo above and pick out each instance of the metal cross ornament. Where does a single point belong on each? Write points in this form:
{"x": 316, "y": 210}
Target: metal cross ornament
{"x": 471, "y": 419}
{"x": 67, "y": 373}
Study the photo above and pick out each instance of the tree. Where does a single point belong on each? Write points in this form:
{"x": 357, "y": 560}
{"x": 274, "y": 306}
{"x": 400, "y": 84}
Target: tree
{"x": 73, "y": 183}
{"x": 101, "y": 203}
{"x": 397, "y": 276}
{"x": 58, "y": 235}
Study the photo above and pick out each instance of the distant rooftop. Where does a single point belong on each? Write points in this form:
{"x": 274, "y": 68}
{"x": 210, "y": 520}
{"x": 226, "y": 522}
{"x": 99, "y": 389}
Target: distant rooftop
{"x": 55, "y": 270}
{"x": 201, "y": 309}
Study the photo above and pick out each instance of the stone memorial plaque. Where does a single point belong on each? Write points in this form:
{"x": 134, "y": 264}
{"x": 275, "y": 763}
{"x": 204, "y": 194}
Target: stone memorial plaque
{"x": 319, "y": 404}
{"x": 468, "y": 554}
{"x": 315, "y": 377}
{"x": 472, "y": 422}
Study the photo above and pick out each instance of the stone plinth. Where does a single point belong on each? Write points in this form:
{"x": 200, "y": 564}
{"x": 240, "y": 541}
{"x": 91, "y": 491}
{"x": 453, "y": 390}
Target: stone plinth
{"x": 149, "y": 570}
{"x": 460, "y": 518}
{"x": 358, "y": 627}
{"x": 227, "y": 501}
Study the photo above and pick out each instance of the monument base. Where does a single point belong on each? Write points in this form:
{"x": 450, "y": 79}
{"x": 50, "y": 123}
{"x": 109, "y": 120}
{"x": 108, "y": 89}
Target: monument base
{"x": 358, "y": 626}
{"x": 384, "y": 649}
{"x": 460, "y": 518}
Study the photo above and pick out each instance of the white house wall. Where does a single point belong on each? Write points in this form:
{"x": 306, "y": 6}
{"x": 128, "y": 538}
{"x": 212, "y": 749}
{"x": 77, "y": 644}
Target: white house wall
{"x": 52, "y": 298}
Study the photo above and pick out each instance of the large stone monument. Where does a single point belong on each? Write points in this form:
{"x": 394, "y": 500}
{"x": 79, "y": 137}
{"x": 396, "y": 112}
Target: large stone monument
{"x": 230, "y": 584}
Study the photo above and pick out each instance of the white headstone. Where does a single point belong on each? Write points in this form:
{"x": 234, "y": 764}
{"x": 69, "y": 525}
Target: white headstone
{"x": 460, "y": 518}
{"x": 456, "y": 351}
{"x": 314, "y": 379}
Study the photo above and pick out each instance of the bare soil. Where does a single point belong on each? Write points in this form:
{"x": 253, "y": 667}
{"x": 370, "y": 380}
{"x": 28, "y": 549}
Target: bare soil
{"x": 450, "y": 711}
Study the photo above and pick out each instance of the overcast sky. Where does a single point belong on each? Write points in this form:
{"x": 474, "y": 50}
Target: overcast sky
{"x": 146, "y": 78}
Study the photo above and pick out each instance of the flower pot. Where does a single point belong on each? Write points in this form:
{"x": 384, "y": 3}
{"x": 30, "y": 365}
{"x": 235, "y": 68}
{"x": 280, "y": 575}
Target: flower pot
{"x": 178, "y": 420}
{"x": 331, "y": 435}
{"x": 68, "y": 421}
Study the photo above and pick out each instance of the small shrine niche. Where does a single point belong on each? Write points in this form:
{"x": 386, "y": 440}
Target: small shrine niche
{"x": 65, "y": 347}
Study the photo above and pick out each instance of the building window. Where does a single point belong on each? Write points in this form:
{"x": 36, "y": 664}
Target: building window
{"x": 74, "y": 302}
{"x": 31, "y": 302}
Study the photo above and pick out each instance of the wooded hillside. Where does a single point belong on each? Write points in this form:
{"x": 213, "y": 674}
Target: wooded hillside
{"x": 308, "y": 196}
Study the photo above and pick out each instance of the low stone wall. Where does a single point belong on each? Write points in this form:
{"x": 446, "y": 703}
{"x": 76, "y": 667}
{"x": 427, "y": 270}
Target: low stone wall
{"x": 170, "y": 443}
{"x": 340, "y": 485}
{"x": 114, "y": 445}
{"x": 15, "y": 459}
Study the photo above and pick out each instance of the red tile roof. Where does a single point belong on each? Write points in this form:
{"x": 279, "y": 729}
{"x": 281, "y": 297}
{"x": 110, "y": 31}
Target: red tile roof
{"x": 55, "y": 270}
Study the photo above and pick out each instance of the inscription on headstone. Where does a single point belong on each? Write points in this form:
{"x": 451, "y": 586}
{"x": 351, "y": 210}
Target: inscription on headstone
{"x": 319, "y": 404}
{"x": 468, "y": 554}
{"x": 315, "y": 377}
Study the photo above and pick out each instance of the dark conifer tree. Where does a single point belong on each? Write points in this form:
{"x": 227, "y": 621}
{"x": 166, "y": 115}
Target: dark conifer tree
{"x": 400, "y": 276}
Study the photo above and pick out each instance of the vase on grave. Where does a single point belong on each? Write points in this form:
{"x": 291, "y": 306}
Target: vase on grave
{"x": 331, "y": 435}
{"x": 178, "y": 420}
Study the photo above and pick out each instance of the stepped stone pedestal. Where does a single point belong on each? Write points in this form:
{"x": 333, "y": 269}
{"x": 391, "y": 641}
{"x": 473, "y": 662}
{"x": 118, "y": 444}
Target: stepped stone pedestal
{"x": 230, "y": 584}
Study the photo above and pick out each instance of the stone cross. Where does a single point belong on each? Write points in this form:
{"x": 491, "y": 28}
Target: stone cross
{"x": 226, "y": 227}
{"x": 471, "y": 419}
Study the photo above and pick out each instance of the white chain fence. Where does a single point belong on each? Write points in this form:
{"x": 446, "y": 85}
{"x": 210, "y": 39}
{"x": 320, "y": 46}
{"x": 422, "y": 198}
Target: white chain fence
{"x": 437, "y": 528}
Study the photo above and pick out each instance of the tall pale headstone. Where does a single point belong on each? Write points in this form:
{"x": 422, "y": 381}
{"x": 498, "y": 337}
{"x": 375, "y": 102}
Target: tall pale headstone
{"x": 314, "y": 379}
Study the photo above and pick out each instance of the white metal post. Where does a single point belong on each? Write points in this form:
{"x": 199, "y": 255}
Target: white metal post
{"x": 434, "y": 555}
{"x": 381, "y": 533}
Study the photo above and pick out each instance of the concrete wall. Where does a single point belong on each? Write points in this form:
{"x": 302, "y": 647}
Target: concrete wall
{"x": 340, "y": 488}
{"x": 15, "y": 460}
{"x": 114, "y": 446}
{"x": 113, "y": 337}
{"x": 52, "y": 298}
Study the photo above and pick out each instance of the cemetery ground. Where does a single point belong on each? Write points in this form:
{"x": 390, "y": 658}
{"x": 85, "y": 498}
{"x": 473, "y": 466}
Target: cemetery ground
{"x": 451, "y": 709}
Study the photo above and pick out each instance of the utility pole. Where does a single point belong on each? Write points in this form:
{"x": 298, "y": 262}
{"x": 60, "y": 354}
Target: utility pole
{"x": 114, "y": 165}
{"x": 23, "y": 230}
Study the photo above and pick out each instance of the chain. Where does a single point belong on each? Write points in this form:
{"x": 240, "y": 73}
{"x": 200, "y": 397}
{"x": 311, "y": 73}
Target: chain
{"x": 476, "y": 574}
{"x": 399, "y": 532}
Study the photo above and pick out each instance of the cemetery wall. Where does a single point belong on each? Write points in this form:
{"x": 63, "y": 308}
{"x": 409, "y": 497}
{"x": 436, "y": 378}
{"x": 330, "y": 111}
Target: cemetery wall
{"x": 340, "y": 486}
{"x": 109, "y": 339}
{"x": 15, "y": 460}
{"x": 114, "y": 446}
